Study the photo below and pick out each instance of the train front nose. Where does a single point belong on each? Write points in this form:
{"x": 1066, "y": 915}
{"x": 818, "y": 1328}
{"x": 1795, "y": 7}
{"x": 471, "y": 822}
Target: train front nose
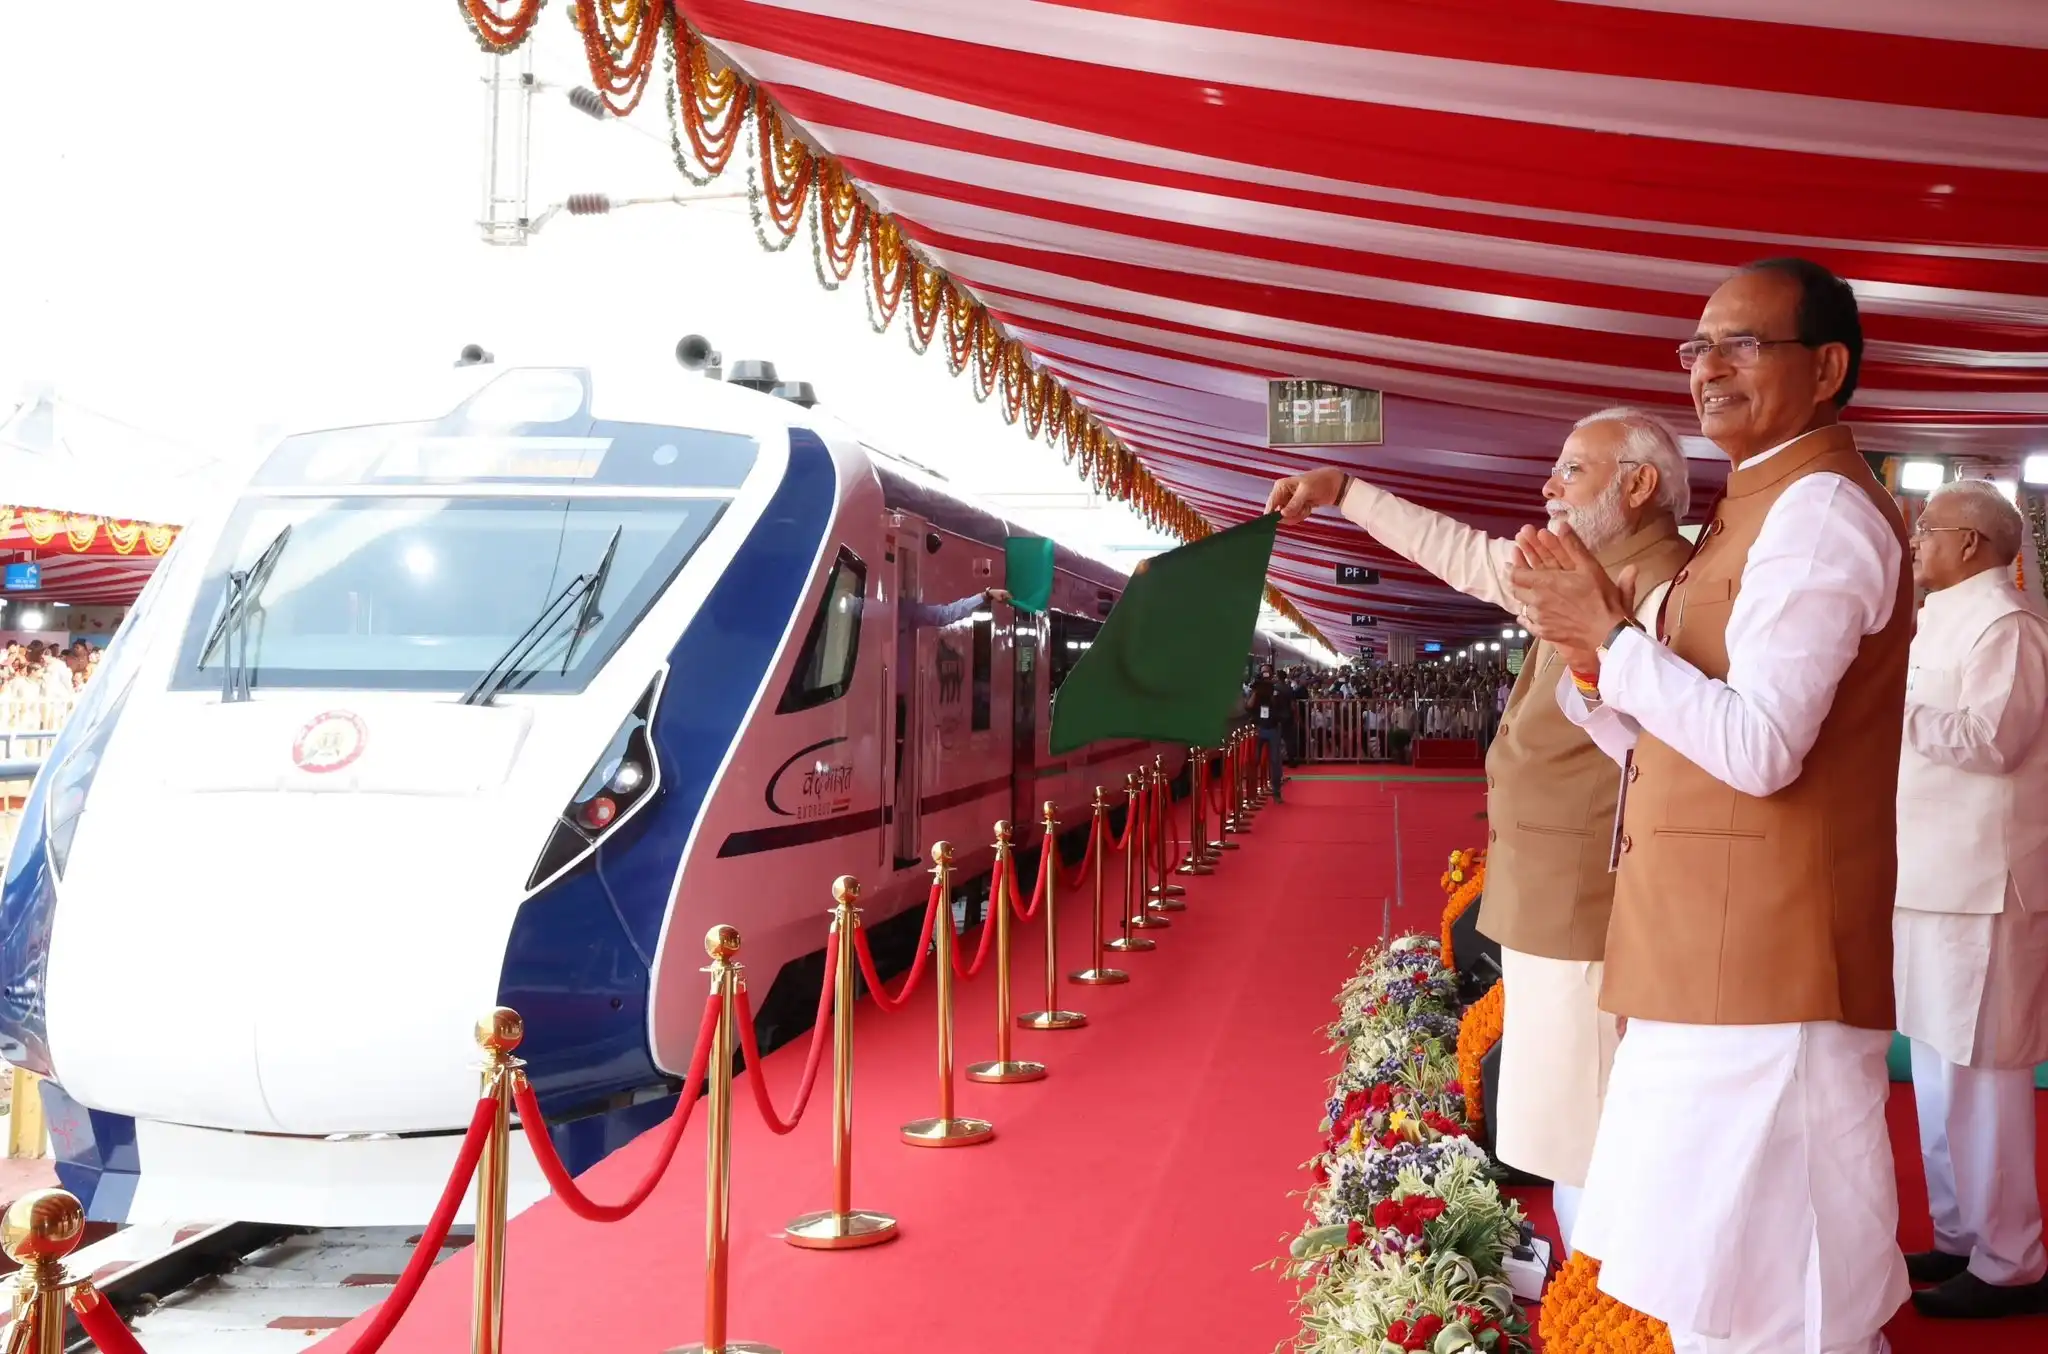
{"x": 229, "y": 956}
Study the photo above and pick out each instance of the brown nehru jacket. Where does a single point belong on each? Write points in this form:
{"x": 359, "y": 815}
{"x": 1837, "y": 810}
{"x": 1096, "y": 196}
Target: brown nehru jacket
{"x": 1550, "y": 795}
{"x": 1735, "y": 910}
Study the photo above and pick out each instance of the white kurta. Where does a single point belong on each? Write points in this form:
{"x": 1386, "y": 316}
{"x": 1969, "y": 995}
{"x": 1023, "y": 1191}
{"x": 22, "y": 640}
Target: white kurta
{"x": 1556, "y": 1043}
{"x": 1970, "y": 935}
{"x": 1742, "y": 1187}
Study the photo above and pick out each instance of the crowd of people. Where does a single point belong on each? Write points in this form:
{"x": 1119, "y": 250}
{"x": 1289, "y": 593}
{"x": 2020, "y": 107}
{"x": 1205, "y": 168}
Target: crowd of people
{"x": 39, "y": 682}
{"x": 1375, "y": 711}
{"x": 1758, "y": 803}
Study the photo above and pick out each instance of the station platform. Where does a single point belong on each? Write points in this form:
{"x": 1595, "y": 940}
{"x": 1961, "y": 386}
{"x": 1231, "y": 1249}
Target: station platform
{"x": 1128, "y": 1201}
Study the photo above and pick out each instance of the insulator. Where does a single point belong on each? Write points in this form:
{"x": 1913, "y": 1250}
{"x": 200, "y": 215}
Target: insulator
{"x": 584, "y": 100}
{"x": 588, "y": 204}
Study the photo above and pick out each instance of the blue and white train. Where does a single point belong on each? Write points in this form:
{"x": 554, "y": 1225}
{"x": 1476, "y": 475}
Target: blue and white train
{"x": 501, "y": 691}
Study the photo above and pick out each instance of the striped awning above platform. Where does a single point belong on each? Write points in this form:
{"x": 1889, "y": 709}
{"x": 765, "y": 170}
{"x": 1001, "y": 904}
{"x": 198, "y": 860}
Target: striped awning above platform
{"x": 1503, "y": 216}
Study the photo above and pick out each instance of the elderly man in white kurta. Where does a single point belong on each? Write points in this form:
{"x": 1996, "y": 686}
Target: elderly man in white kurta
{"x": 1620, "y": 483}
{"x": 1970, "y": 935}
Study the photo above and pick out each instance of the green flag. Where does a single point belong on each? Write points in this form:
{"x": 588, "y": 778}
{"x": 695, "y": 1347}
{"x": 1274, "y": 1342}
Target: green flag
{"x": 1169, "y": 664}
{"x": 1027, "y": 572}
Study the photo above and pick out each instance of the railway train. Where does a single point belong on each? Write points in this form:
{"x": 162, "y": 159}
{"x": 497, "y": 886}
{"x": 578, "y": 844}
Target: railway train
{"x": 500, "y": 687}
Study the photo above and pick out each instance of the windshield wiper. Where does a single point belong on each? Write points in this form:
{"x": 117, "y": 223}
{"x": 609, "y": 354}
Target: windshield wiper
{"x": 588, "y": 614}
{"x": 243, "y": 586}
{"x": 511, "y": 664}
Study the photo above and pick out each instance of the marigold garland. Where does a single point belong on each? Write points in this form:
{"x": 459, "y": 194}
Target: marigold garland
{"x": 1478, "y": 1031}
{"x": 709, "y": 103}
{"x": 77, "y": 532}
{"x": 1463, "y": 895}
{"x": 1578, "y": 1318}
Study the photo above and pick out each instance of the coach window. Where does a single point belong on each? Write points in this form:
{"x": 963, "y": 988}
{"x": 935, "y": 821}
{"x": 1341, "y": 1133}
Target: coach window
{"x": 1072, "y": 636}
{"x": 824, "y": 670}
{"x": 984, "y": 669}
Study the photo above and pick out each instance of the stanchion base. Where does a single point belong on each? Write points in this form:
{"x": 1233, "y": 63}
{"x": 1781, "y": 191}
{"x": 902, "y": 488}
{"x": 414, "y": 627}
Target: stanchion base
{"x": 1166, "y": 905}
{"x": 948, "y": 1132}
{"x": 1231, "y": 846}
{"x": 1130, "y": 945}
{"x": 729, "y": 1347}
{"x": 1001, "y": 1073}
{"x": 1196, "y": 867}
{"x": 1099, "y": 977}
{"x": 1167, "y": 890}
{"x": 829, "y": 1231}
{"x": 1052, "y": 1020}
{"x": 1149, "y": 921}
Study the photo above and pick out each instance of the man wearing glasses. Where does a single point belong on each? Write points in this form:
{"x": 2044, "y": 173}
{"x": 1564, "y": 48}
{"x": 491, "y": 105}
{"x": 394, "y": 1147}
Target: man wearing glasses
{"x": 1621, "y": 485}
{"x": 1971, "y": 930}
{"x": 1741, "y": 1188}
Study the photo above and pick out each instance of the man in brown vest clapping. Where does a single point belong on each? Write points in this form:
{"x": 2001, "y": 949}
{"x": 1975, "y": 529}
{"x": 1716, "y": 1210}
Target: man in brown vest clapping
{"x": 1741, "y": 1188}
{"x": 1621, "y": 484}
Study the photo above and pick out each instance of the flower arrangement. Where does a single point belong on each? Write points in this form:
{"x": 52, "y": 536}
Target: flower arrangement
{"x": 1580, "y": 1319}
{"x": 1464, "y": 882}
{"x": 1408, "y": 1232}
{"x": 1478, "y": 1032}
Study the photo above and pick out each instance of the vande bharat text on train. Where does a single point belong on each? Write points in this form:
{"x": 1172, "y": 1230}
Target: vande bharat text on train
{"x": 501, "y": 689}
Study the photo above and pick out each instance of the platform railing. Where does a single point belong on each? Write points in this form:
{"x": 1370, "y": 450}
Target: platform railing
{"x": 41, "y": 1229}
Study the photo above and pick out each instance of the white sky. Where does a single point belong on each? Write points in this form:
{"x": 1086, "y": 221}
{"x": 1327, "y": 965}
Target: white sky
{"x": 216, "y": 206}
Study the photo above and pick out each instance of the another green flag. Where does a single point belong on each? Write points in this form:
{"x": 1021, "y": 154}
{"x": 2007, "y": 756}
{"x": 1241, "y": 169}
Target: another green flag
{"x": 1027, "y": 572}
{"x": 1169, "y": 663}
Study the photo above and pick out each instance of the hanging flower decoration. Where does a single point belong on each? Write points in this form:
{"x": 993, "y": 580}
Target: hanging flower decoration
{"x": 1580, "y": 1319}
{"x": 498, "y": 28}
{"x": 78, "y": 532}
{"x": 788, "y": 182}
{"x": 1478, "y": 1032}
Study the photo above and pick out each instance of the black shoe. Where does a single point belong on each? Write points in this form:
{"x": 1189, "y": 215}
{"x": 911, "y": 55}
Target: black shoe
{"x": 1967, "y": 1297}
{"x": 1932, "y": 1267}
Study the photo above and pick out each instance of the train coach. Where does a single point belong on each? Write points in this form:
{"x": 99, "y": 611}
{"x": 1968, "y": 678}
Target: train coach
{"x": 499, "y": 689}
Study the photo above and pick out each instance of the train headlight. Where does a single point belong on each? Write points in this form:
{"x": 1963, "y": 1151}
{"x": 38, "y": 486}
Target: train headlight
{"x": 625, "y": 779}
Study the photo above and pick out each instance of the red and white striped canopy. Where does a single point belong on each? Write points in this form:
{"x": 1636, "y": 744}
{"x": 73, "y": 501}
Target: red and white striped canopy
{"x": 1502, "y": 215}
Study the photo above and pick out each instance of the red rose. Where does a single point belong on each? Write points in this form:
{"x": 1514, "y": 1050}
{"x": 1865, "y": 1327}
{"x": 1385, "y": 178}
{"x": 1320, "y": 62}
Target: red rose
{"x": 1321, "y": 1173}
{"x": 1456, "y": 1088}
{"x": 1397, "y": 1331}
{"x": 1426, "y": 1329}
{"x": 1420, "y": 1209}
{"x": 1354, "y": 1232}
{"x": 1382, "y": 1096}
{"x": 1385, "y": 1214}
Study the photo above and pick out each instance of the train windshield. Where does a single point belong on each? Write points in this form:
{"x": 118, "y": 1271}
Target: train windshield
{"x": 427, "y": 593}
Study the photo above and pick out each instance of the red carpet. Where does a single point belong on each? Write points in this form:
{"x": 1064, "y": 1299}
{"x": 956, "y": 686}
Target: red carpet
{"x": 1127, "y": 1202}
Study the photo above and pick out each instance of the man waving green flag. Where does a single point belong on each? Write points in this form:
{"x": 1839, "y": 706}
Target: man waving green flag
{"x": 1169, "y": 664}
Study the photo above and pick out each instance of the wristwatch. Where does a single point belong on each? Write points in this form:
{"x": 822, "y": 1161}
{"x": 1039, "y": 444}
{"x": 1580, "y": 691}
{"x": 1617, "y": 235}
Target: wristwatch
{"x": 1630, "y": 624}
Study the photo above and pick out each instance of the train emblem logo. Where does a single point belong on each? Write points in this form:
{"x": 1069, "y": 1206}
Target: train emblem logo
{"x": 331, "y": 742}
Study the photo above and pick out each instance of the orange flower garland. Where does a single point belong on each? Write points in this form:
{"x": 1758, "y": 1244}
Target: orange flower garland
{"x": 1478, "y": 1031}
{"x": 1464, "y": 882}
{"x": 1580, "y": 1319}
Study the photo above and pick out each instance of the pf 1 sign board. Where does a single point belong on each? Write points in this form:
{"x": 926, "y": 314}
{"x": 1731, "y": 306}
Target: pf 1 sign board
{"x": 1357, "y": 576}
{"x": 1321, "y": 414}
{"x": 1363, "y": 621}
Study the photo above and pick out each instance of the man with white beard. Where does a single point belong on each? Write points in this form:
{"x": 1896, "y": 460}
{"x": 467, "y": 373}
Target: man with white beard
{"x": 1970, "y": 929}
{"x": 1621, "y": 485}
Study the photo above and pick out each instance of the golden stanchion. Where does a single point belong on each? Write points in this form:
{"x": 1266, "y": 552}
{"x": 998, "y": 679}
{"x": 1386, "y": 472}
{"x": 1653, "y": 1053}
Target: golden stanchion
{"x": 1052, "y": 1017}
{"x": 1232, "y": 825}
{"x": 722, "y": 943}
{"x": 37, "y": 1232}
{"x": 1004, "y": 1068}
{"x": 26, "y": 1134}
{"x": 945, "y": 1130}
{"x": 498, "y": 1034}
{"x": 1099, "y": 975}
{"x": 1138, "y": 916}
{"x": 842, "y": 1227}
{"x": 1241, "y": 796}
{"x": 1165, "y": 895}
{"x": 1197, "y": 859}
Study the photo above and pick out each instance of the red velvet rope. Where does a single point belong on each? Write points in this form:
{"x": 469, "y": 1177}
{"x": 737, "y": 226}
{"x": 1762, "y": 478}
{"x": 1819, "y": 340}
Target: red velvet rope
{"x": 1131, "y": 812}
{"x": 1219, "y": 792}
{"x": 1045, "y": 855}
{"x": 924, "y": 952}
{"x": 564, "y": 1185}
{"x": 109, "y": 1333}
{"x": 969, "y": 972}
{"x": 751, "y": 1046}
{"x": 1080, "y": 871}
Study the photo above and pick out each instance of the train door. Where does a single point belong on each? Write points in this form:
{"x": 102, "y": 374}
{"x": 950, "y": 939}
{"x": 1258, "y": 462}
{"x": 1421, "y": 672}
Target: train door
{"x": 1027, "y": 641}
{"x": 902, "y": 827}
